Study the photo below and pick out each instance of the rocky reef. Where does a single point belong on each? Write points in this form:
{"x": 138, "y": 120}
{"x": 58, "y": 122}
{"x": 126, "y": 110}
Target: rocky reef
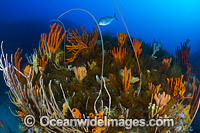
{"x": 129, "y": 79}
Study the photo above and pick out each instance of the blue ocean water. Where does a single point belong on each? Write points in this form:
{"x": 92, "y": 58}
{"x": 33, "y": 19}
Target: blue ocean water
{"x": 9, "y": 121}
{"x": 169, "y": 22}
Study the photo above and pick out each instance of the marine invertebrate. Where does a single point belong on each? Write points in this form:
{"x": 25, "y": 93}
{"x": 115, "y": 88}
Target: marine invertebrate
{"x": 131, "y": 41}
{"x": 192, "y": 109}
{"x": 182, "y": 53}
{"x": 48, "y": 46}
{"x": 80, "y": 44}
{"x": 44, "y": 61}
{"x": 80, "y": 73}
{"x": 99, "y": 116}
{"x": 162, "y": 99}
{"x": 195, "y": 103}
{"x": 127, "y": 79}
{"x": 119, "y": 54}
{"x": 186, "y": 111}
{"x": 27, "y": 70}
{"x": 177, "y": 88}
{"x": 65, "y": 108}
{"x": 189, "y": 71}
{"x": 167, "y": 61}
{"x": 38, "y": 95}
{"x": 137, "y": 44}
{"x": 193, "y": 88}
{"x": 92, "y": 65}
{"x": 35, "y": 63}
{"x": 57, "y": 61}
{"x": 155, "y": 89}
{"x": 77, "y": 113}
{"x": 30, "y": 58}
{"x": 156, "y": 48}
{"x": 41, "y": 69}
{"x": 132, "y": 79}
{"x": 153, "y": 110}
{"x": 18, "y": 61}
{"x": 122, "y": 37}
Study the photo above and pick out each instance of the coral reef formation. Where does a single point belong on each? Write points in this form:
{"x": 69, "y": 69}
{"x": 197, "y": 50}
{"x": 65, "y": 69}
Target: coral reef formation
{"x": 45, "y": 87}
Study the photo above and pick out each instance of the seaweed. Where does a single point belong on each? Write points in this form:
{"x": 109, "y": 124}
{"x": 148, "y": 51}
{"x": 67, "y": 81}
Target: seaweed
{"x": 50, "y": 87}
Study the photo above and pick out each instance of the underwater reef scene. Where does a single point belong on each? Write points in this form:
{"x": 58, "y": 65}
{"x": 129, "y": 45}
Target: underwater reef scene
{"x": 70, "y": 76}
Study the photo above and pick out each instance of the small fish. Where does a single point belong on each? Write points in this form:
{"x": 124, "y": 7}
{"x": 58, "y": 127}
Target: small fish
{"x": 1, "y": 124}
{"x": 107, "y": 20}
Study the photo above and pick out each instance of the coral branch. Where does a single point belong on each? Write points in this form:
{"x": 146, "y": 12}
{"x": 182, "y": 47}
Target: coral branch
{"x": 127, "y": 79}
{"x": 122, "y": 37}
{"x": 196, "y": 100}
{"x": 30, "y": 100}
{"x": 44, "y": 61}
{"x": 137, "y": 44}
{"x": 167, "y": 62}
{"x": 189, "y": 71}
{"x": 161, "y": 99}
{"x": 80, "y": 44}
{"x": 154, "y": 88}
{"x": 182, "y": 53}
{"x": 176, "y": 87}
{"x": 119, "y": 55}
{"x": 49, "y": 46}
{"x": 18, "y": 61}
{"x": 156, "y": 48}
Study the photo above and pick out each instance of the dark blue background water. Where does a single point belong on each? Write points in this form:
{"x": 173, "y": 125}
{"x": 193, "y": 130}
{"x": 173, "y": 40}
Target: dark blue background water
{"x": 167, "y": 21}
